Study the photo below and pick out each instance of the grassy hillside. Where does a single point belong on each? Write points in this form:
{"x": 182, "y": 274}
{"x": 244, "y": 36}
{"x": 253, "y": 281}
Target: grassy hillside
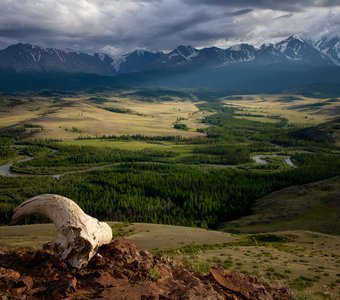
{"x": 307, "y": 262}
{"x": 314, "y": 206}
{"x": 146, "y": 236}
{"x": 326, "y": 132}
{"x": 297, "y": 109}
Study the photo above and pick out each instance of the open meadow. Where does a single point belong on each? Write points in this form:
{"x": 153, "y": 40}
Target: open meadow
{"x": 83, "y": 115}
{"x": 119, "y": 113}
{"x": 296, "y": 109}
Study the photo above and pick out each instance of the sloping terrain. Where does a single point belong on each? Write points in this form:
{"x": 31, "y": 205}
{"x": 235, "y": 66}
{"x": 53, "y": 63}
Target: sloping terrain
{"x": 145, "y": 236}
{"x": 120, "y": 271}
{"x": 325, "y": 132}
{"x": 305, "y": 262}
{"x": 314, "y": 206}
{"x": 86, "y": 115}
{"x": 297, "y": 109}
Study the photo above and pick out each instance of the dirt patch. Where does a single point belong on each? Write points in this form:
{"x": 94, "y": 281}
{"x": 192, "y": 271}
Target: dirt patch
{"x": 121, "y": 271}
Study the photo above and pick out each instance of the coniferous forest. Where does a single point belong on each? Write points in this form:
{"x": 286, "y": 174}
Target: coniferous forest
{"x": 212, "y": 182}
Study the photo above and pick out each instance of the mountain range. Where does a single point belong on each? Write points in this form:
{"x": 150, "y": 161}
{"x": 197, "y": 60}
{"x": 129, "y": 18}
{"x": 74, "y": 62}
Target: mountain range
{"x": 291, "y": 64}
{"x": 23, "y": 58}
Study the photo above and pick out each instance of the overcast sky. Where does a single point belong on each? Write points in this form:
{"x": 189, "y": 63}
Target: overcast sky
{"x": 119, "y": 26}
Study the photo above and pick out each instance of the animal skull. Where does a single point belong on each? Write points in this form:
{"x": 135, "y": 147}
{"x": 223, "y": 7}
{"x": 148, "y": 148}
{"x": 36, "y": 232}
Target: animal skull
{"x": 78, "y": 234}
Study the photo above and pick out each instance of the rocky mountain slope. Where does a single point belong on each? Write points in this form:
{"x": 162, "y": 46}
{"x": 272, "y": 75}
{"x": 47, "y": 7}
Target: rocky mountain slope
{"x": 293, "y": 50}
{"x": 120, "y": 271}
{"x": 30, "y": 58}
{"x": 331, "y": 47}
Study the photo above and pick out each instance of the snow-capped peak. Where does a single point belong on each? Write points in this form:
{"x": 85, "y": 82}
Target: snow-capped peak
{"x": 236, "y": 47}
{"x": 292, "y": 43}
{"x": 187, "y": 52}
{"x": 140, "y": 52}
{"x": 330, "y": 46}
{"x": 296, "y": 37}
{"x": 266, "y": 45}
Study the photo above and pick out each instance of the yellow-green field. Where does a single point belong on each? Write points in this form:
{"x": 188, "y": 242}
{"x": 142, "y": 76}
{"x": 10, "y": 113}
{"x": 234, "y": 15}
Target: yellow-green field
{"x": 84, "y": 115}
{"x": 69, "y": 118}
{"x": 297, "y": 109}
{"x": 306, "y": 262}
{"x": 164, "y": 237}
{"x": 132, "y": 145}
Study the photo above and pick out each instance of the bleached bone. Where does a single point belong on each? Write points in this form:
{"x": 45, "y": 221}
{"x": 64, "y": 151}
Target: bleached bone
{"x": 78, "y": 234}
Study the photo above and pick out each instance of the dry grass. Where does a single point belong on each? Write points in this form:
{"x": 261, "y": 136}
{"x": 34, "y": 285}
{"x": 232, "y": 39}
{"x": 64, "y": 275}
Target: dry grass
{"x": 163, "y": 237}
{"x": 301, "y": 110}
{"x": 146, "y": 236}
{"x": 307, "y": 262}
{"x": 133, "y": 145}
{"x": 70, "y": 117}
{"x": 78, "y": 116}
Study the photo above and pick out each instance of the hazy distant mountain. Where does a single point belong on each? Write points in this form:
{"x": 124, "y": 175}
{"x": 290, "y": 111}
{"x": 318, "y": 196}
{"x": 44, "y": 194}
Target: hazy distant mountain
{"x": 30, "y": 58}
{"x": 136, "y": 61}
{"x": 182, "y": 55}
{"x": 293, "y": 50}
{"x": 288, "y": 64}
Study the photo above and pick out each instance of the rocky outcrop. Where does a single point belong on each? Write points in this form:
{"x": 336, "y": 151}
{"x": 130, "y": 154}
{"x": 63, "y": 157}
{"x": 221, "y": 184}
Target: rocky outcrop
{"x": 121, "y": 271}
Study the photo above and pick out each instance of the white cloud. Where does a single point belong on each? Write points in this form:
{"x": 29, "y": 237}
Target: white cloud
{"x": 117, "y": 26}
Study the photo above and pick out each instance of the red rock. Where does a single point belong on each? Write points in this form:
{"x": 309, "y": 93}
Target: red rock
{"x": 244, "y": 286}
{"x": 120, "y": 271}
{"x": 105, "y": 280}
{"x": 27, "y": 281}
{"x": 9, "y": 274}
{"x": 72, "y": 281}
{"x": 38, "y": 290}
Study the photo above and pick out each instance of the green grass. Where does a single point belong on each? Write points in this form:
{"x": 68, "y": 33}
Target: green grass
{"x": 133, "y": 145}
{"x": 154, "y": 274}
{"x": 314, "y": 207}
{"x": 146, "y": 236}
{"x": 306, "y": 262}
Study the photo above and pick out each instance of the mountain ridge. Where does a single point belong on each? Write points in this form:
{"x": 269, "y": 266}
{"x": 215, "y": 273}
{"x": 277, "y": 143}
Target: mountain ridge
{"x": 294, "y": 50}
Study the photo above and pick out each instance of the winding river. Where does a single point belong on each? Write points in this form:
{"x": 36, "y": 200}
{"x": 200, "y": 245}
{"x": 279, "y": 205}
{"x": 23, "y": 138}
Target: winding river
{"x": 5, "y": 170}
{"x": 261, "y": 159}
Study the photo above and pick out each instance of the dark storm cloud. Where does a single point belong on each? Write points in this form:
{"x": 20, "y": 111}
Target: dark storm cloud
{"x": 182, "y": 23}
{"x": 118, "y": 26}
{"x": 239, "y": 12}
{"x": 205, "y": 35}
{"x": 284, "y": 16}
{"x": 285, "y": 5}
